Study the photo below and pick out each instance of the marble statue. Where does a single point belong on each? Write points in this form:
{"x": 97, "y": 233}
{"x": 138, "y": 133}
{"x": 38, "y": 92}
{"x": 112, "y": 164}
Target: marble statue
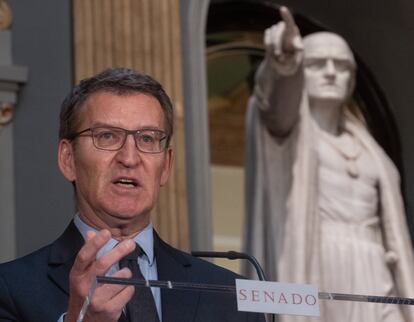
{"x": 323, "y": 199}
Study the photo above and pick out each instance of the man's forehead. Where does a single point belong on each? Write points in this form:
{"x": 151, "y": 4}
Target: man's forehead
{"x": 104, "y": 104}
{"x": 324, "y": 45}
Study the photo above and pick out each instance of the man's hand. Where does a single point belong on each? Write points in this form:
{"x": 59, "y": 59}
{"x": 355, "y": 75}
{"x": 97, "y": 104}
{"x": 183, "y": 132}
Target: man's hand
{"x": 283, "y": 42}
{"x": 107, "y": 301}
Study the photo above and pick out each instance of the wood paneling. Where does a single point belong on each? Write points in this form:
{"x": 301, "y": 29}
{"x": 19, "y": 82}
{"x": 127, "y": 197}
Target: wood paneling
{"x": 144, "y": 35}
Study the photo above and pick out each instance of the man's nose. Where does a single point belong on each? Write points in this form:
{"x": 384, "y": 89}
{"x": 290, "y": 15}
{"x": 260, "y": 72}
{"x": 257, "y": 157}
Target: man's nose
{"x": 129, "y": 155}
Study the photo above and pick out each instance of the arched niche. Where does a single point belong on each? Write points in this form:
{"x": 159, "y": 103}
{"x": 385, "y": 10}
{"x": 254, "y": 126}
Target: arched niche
{"x": 226, "y": 30}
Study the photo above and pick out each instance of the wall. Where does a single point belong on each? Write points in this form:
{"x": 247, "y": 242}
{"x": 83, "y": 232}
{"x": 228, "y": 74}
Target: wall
{"x": 143, "y": 35}
{"x": 41, "y": 36}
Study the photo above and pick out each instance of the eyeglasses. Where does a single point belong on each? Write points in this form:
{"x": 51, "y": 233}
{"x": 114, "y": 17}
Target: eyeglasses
{"x": 114, "y": 138}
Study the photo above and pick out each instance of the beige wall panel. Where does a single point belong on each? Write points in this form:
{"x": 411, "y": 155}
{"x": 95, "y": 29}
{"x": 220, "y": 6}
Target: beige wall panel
{"x": 144, "y": 35}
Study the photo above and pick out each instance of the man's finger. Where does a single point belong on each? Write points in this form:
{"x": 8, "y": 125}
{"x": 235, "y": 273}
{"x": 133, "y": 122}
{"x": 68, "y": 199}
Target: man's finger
{"x": 111, "y": 299}
{"x": 112, "y": 308}
{"x": 123, "y": 297}
{"x": 89, "y": 235}
{"x": 87, "y": 254}
{"x": 105, "y": 292}
{"x": 103, "y": 263}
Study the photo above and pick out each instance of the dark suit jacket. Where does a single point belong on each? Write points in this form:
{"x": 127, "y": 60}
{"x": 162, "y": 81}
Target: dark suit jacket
{"x": 34, "y": 288}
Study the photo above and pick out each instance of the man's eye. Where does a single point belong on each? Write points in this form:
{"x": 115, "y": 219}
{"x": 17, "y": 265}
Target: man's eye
{"x": 108, "y": 135}
{"x": 146, "y": 138}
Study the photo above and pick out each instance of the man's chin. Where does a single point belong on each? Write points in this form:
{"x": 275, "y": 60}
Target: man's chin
{"x": 129, "y": 210}
{"x": 126, "y": 215}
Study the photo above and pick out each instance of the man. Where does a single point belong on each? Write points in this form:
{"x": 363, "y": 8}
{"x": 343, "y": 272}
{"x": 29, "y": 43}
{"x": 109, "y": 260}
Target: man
{"x": 323, "y": 199}
{"x": 115, "y": 130}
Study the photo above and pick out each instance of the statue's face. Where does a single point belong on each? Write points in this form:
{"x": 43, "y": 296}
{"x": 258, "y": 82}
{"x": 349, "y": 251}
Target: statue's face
{"x": 329, "y": 67}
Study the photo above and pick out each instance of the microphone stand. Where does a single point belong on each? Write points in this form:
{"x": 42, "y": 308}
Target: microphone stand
{"x": 232, "y": 255}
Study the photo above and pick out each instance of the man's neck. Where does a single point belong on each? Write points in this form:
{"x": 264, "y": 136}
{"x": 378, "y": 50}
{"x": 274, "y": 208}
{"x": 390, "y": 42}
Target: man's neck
{"x": 120, "y": 231}
{"x": 144, "y": 238}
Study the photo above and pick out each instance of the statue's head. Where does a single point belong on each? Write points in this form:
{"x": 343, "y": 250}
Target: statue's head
{"x": 329, "y": 67}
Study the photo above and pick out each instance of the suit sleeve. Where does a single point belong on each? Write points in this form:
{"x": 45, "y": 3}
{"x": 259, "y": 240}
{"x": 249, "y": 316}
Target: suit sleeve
{"x": 256, "y": 317}
{"x": 8, "y": 310}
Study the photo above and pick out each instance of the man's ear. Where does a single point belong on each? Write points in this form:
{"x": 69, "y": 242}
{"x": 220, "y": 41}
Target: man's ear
{"x": 66, "y": 160}
{"x": 169, "y": 156}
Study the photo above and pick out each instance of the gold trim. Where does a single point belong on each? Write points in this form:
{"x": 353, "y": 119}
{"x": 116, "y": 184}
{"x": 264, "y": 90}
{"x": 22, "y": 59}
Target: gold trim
{"x": 5, "y": 15}
{"x": 6, "y": 113}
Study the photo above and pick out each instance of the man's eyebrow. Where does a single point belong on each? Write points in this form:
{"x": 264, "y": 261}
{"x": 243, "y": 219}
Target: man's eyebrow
{"x": 102, "y": 124}
{"x": 150, "y": 127}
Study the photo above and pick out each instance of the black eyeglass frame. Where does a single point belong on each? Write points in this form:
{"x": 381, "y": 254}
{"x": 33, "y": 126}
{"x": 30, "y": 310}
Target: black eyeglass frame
{"x": 163, "y": 146}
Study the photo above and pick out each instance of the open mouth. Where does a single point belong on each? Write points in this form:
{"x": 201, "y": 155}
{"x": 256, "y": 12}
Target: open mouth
{"x": 126, "y": 182}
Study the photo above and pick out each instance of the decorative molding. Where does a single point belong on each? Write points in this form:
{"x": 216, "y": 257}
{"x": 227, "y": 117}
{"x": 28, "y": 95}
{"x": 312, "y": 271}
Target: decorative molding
{"x": 6, "y": 113}
{"x": 6, "y": 16}
{"x": 11, "y": 77}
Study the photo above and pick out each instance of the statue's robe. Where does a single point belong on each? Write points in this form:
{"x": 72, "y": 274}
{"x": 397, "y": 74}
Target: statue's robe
{"x": 282, "y": 224}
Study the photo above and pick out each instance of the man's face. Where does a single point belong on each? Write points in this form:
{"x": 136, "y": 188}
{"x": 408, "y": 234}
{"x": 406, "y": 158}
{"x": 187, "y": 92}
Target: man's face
{"x": 328, "y": 68}
{"x": 116, "y": 188}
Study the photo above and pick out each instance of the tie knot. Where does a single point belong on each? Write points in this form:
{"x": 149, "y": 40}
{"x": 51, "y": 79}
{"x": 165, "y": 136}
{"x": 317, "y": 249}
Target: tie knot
{"x": 132, "y": 256}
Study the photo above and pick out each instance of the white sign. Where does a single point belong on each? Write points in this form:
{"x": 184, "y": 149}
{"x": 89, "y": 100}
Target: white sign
{"x": 280, "y": 298}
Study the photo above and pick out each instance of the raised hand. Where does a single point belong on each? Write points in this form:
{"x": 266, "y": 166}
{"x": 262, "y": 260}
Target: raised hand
{"x": 283, "y": 41}
{"x": 107, "y": 301}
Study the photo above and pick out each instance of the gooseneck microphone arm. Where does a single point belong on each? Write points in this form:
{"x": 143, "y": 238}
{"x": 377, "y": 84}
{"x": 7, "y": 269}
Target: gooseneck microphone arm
{"x": 237, "y": 255}
{"x": 233, "y": 255}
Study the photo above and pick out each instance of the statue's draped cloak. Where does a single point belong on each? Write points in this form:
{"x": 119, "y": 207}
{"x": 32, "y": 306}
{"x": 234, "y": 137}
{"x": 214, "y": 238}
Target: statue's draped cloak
{"x": 282, "y": 223}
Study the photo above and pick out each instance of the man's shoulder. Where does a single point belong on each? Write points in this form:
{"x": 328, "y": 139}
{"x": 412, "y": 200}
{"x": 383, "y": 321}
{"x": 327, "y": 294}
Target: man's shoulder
{"x": 211, "y": 271}
{"x": 212, "y": 306}
{"x": 26, "y": 266}
{"x": 22, "y": 277}
{"x": 200, "y": 269}
{"x": 26, "y": 284}
{"x": 59, "y": 251}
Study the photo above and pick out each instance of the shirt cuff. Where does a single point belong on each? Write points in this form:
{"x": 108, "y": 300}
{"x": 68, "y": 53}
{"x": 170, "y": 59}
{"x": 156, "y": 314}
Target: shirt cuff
{"x": 62, "y": 317}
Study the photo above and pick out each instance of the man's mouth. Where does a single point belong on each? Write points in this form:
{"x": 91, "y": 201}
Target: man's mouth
{"x": 126, "y": 182}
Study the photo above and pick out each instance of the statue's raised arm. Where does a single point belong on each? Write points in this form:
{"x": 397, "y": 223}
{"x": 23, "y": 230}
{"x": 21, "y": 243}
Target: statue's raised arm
{"x": 279, "y": 80}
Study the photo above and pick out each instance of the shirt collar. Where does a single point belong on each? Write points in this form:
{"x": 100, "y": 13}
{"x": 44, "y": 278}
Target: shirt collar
{"x": 144, "y": 238}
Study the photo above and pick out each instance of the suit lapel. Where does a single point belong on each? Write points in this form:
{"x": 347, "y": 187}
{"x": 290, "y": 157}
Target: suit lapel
{"x": 62, "y": 256}
{"x": 172, "y": 266}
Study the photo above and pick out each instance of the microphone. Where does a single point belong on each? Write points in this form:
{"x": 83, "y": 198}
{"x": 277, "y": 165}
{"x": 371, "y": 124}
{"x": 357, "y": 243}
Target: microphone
{"x": 233, "y": 255}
